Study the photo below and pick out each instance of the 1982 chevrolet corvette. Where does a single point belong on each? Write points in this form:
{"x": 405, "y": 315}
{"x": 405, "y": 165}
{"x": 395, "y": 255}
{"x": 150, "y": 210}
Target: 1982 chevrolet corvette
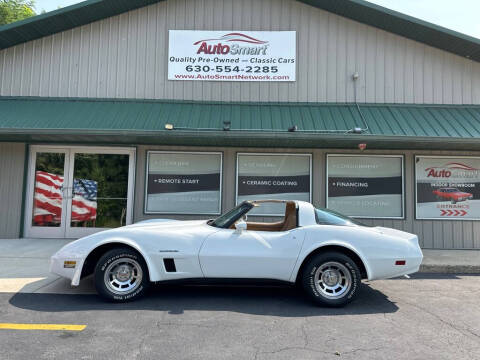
{"x": 326, "y": 253}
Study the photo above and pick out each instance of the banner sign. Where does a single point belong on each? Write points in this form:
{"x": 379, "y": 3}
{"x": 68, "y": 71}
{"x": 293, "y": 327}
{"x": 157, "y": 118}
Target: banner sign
{"x": 367, "y": 186}
{"x": 183, "y": 183}
{"x": 447, "y": 188}
{"x": 273, "y": 176}
{"x": 232, "y": 55}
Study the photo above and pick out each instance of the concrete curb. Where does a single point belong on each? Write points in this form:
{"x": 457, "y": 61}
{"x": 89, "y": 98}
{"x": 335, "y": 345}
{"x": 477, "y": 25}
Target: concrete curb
{"x": 451, "y": 269}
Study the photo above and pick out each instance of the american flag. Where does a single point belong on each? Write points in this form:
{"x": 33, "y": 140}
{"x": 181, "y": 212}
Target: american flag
{"x": 49, "y": 195}
{"x": 84, "y": 202}
{"x": 47, "y": 203}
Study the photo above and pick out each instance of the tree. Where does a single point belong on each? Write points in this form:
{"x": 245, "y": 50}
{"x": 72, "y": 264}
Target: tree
{"x": 15, "y": 10}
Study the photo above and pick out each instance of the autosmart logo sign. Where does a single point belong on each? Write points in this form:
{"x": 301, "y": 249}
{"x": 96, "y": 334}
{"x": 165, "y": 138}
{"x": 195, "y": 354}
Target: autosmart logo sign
{"x": 227, "y": 44}
{"x": 453, "y": 168}
{"x": 447, "y": 187}
{"x": 232, "y": 55}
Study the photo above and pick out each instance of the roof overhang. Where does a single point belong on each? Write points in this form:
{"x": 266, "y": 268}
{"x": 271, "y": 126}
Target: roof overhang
{"x": 294, "y": 125}
{"x": 239, "y": 139}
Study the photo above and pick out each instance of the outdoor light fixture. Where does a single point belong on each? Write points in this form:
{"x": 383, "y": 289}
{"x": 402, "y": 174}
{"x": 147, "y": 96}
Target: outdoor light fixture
{"x": 292, "y": 128}
{"x": 226, "y": 125}
{"x": 168, "y": 126}
{"x": 357, "y": 130}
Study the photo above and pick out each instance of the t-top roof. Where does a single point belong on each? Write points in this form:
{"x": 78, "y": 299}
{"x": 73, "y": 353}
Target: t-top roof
{"x": 358, "y": 10}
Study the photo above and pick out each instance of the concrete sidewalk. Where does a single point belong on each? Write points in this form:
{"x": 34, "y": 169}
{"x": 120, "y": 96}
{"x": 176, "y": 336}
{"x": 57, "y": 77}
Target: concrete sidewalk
{"x": 451, "y": 261}
{"x": 24, "y": 266}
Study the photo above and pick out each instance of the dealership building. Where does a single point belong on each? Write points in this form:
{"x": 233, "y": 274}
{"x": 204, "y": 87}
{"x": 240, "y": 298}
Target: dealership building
{"x": 113, "y": 112}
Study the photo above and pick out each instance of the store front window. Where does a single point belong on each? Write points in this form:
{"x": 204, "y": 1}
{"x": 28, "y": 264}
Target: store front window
{"x": 273, "y": 177}
{"x": 78, "y": 191}
{"x": 183, "y": 183}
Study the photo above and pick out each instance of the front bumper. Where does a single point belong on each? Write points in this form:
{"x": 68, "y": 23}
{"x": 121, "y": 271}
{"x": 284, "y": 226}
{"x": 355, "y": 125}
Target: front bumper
{"x": 57, "y": 266}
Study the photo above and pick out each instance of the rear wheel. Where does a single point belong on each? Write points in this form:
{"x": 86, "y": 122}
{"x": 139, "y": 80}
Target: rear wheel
{"x": 331, "y": 279}
{"x": 121, "y": 275}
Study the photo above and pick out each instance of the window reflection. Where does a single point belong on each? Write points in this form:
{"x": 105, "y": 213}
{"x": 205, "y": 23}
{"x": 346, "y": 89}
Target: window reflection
{"x": 48, "y": 193}
{"x": 99, "y": 194}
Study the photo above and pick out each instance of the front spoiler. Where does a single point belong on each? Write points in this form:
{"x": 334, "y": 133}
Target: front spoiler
{"x": 57, "y": 267}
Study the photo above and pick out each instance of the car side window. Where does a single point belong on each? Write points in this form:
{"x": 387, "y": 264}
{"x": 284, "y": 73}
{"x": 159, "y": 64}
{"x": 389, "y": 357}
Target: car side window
{"x": 329, "y": 217}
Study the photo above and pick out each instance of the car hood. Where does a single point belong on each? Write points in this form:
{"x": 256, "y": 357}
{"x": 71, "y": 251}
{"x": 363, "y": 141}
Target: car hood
{"x": 461, "y": 193}
{"x": 163, "y": 223}
{"x": 130, "y": 233}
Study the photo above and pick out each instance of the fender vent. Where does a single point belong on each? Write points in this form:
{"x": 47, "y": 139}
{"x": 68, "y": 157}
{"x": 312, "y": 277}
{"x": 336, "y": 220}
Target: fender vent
{"x": 169, "y": 265}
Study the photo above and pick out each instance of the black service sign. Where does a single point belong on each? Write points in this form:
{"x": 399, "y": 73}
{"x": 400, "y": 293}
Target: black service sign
{"x": 273, "y": 176}
{"x": 183, "y": 183}
{"x": 368, "y": 186}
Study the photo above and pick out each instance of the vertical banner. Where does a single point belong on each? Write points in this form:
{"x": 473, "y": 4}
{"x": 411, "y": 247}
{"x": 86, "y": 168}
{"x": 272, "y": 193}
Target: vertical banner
{"x": 273, "y": 176}
{"x": 447, "y": 187}
{"x": 183, "y": 183}
{"x": 367, "y": 186}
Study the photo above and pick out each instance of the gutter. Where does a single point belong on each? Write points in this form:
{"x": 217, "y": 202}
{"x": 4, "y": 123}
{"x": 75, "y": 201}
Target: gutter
{"x": 251, "y": 138}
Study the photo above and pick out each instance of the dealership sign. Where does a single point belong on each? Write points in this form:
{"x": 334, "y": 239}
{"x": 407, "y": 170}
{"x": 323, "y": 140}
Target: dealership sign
{"x": 447, "y": 188}
{"x": 366, "y": 186}
{"x": 232, "y": 55}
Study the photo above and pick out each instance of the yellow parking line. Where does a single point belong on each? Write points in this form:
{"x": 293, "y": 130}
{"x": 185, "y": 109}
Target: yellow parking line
{"x": 42, "y": 327}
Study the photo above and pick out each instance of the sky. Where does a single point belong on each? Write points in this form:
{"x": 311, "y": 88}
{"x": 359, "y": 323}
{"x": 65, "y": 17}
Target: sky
{"x": 458, "y": 15}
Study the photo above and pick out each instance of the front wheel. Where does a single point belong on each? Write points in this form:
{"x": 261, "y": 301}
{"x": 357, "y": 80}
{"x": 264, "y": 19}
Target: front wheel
{"x": 121, "y": 275}
{"x": 331, "y": 279}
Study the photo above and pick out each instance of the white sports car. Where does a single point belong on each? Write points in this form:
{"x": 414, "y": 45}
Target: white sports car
{"x": 325, "y": 252}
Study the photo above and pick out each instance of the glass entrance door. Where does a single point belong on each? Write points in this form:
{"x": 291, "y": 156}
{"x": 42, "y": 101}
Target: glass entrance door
{"x": 77, "y": 191}
{"x": 46, "y": 217}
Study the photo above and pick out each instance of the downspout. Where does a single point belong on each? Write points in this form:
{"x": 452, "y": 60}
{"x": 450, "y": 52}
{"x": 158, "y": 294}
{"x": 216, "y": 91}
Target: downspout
{"x": 355, "y": 77}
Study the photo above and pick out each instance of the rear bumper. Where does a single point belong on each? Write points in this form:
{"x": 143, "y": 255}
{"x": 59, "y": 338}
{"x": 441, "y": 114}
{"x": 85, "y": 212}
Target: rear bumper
{"x": 386, "y": 268}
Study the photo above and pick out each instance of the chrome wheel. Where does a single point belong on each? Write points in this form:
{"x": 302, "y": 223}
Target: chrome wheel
{"x": 333, "y": 280}
{"x": 123, "y": 276}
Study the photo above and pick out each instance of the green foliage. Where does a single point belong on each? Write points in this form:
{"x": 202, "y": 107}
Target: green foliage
{"x": 15, "y": 10}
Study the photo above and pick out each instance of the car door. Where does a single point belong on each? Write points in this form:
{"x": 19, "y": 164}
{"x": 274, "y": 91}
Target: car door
{"x": 251, "y": 254}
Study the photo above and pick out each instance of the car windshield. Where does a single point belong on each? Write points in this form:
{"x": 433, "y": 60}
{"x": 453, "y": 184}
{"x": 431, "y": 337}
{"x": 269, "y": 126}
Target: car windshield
{"x": 226, "y": 220}
{"x": 329, "y": 217}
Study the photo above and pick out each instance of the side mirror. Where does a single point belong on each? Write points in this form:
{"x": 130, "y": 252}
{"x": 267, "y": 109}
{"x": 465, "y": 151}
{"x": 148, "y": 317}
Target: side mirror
{"x": 240, "y": 226}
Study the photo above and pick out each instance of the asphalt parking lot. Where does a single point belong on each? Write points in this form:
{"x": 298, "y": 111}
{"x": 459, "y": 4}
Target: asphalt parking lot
{"x": 426, "y": 317}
